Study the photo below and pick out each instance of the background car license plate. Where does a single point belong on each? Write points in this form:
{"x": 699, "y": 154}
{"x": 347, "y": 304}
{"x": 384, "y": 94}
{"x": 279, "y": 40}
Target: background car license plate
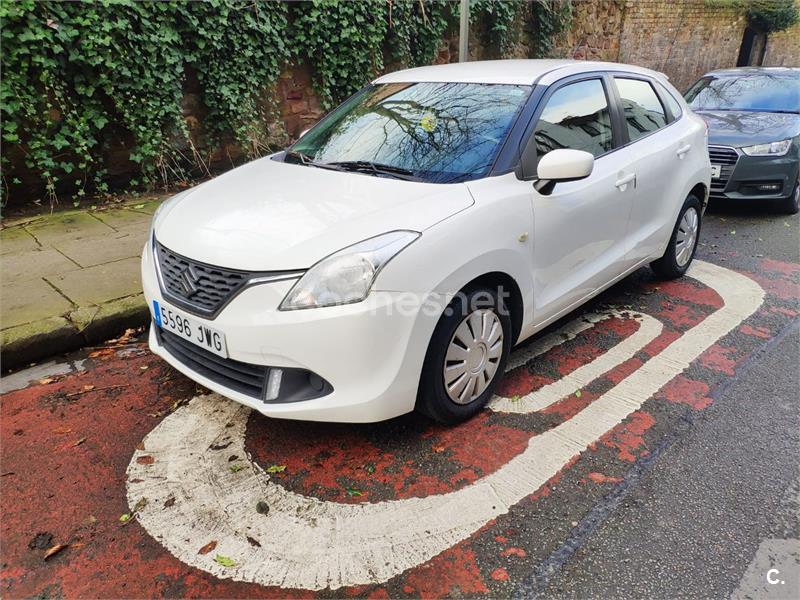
{"x": 715, "y": 171}
{"x": 189, "y": 329}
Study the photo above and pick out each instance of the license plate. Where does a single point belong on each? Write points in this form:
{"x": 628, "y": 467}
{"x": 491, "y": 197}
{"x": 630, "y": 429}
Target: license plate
{"x": 169, "y": 319}
{"x": 715, "y": 171}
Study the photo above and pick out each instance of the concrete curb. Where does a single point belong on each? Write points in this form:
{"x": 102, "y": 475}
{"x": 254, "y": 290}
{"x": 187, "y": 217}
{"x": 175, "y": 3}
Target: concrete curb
{"x": 34, "y": 341}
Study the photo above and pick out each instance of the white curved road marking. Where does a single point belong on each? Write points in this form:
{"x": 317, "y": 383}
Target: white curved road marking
{"x": 313, "y": 544}
{"x": 649, "y": 329}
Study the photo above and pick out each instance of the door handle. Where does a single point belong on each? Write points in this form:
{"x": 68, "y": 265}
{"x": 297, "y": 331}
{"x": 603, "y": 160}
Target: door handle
{"x": 623, "y": 182}
{"x": 681, "y": 152}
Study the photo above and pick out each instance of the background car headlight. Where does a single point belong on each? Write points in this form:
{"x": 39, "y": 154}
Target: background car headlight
{"x": 773, "y": 149}
{"x": 346, "y": 276}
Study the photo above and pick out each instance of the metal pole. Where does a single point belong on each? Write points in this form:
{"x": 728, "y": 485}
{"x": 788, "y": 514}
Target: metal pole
{"x": 463, "y": 32}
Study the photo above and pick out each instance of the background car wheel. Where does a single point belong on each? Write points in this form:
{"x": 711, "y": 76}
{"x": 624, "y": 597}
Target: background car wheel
{"x": 791, "y": 205}
{"x": 683, "y": 243}
{"x": 466, "y": 357}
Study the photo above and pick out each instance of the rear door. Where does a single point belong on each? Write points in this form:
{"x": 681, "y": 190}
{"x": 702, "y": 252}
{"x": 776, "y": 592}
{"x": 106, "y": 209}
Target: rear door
{"x": 664, "y": 144}
{"x": 580, "y": 228}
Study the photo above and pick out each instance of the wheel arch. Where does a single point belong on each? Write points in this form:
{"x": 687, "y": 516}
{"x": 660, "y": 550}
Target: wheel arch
{"x": 509, "y": 292}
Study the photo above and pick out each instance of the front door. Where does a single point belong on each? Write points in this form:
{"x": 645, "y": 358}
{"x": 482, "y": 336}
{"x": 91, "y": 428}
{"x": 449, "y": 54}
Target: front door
{"x": 580, "y": 228}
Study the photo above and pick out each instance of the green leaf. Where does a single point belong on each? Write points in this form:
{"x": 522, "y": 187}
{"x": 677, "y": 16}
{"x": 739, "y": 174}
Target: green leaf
{"x": 353, "y": 492}
{"x": 125, "y": 518}
{"x": 238, "y": 467}
{"x": 224, "y": 561}
{"x": 578, "y": 394}
{"x": 276, "y": 468}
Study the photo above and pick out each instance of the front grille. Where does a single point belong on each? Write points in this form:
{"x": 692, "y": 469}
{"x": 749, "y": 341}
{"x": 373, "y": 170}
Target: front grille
{"x": 199, "y": 288}
{"x": 726, "y": 158}
{"x": 241, "y": 377}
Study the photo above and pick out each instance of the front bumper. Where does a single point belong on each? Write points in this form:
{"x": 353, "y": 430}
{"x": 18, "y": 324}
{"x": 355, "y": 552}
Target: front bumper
{"x": 371, "y": 352}
{"x": 746, "y": 177}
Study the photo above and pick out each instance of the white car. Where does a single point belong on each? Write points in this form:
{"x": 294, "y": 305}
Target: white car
{"x": 391, "y": 258}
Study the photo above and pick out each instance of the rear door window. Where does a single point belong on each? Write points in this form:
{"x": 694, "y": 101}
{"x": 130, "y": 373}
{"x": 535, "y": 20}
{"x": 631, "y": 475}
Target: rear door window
{"x": 576, "y": 116}
{"x": 643, "y": 111}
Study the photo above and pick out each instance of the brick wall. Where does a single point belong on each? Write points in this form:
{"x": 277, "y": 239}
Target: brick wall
{"x": 682, "y": 39}
{"x": 783, "y": 48}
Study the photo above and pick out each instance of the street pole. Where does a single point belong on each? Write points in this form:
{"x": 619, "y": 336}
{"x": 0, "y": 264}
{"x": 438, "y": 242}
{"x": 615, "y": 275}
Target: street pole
{"x": 463, "y": 32}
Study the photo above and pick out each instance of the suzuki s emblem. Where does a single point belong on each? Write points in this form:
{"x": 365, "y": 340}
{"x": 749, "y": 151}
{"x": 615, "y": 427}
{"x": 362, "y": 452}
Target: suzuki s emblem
{"x": 188, "y": 281}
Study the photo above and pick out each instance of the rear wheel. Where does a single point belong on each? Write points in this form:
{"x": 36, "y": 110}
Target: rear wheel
{"x": 683, "y": 243}
{"x": 466, "y": 357}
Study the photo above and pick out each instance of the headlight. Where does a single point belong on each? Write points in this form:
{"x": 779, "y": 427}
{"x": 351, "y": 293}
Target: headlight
{"x": 773, "y": 149}
{"x": 346, "y": 276}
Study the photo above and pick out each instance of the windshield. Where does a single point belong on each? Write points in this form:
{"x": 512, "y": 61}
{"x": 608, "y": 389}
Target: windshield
{"x": 436, "y": 132}
{"x": 763, "y": 92}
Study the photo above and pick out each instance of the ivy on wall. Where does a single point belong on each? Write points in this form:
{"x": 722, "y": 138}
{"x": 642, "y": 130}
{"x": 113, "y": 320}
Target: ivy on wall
{"x": 82, "y": 80}
{"x": 773, "y": 15}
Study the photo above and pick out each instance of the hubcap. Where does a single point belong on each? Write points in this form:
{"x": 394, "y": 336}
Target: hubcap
{"x": 687, "y": 236}
{"x": 473, "y": 356}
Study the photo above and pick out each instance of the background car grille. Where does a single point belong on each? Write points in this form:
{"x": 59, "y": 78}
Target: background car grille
{"x": 726, "y": 158}
{"x": 241, "y": 377}
{"x": 211, "y": 287}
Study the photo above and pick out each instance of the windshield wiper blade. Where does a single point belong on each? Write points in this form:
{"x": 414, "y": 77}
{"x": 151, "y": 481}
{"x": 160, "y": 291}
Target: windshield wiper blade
{"x": 306, "y": 160}
{"x": 380, "y": 169}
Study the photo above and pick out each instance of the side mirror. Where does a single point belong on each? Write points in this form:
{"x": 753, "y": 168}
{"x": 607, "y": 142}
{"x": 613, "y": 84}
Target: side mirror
{"x": 557, "y": 166}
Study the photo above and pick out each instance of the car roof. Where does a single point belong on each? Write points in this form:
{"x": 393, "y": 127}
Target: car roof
{"x": 512, "y": 71}
{"x": 739, "y": 71}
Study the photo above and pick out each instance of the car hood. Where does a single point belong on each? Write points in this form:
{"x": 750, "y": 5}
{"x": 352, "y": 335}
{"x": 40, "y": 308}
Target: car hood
{"x": 740, "y": 128}
{"x": 271, "y": 216}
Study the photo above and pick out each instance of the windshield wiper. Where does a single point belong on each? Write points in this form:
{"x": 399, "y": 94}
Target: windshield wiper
{"x": 306, "y": 160}
{"x": 377, "y": 168}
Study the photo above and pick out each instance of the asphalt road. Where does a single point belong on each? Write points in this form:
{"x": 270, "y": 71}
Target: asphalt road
{"x": 691, "y": 489}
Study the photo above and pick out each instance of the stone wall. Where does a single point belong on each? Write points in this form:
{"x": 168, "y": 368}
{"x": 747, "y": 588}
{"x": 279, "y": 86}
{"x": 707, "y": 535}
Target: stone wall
{"x": 595, "y": 32}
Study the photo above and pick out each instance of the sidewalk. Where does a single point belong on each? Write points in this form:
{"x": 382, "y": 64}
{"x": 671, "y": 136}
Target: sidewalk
{"x": 71, "y": 279}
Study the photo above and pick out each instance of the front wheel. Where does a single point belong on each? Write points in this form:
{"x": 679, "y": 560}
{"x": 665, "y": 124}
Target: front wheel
{"x": 683, "y": 242}
{"x": 466, "y": 357}
{"x": 791, "y": 205}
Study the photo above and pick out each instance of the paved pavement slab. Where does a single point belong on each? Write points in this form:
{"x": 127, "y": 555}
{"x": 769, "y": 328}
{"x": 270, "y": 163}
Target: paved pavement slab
{"x": 35, "y": 265}
{"x": 16, "y": 239}
{"x": 31, "y": 300}
{"x": 115, "y": 246}
{"x": 101, "y": 283}
{"x": 68, "y": 226}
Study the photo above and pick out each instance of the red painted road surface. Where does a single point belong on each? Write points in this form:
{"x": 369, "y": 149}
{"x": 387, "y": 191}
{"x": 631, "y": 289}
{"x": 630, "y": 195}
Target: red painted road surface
{"x": 67, "y": 444}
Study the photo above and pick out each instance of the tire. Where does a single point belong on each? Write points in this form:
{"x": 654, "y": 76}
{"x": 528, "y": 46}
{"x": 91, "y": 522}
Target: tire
{"x": 683, "y": 241}
{"x": 791, "y": 205}
{"x": 456, "y": 345}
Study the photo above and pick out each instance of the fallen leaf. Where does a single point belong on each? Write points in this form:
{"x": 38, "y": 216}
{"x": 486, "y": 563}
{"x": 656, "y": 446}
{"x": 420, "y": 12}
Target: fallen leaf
{"x": 144, "y": 367}
{"x": 169, "y": 502}
{"x": 253, "y": 541}
{"x": 138, "y": 206}
{"x": 438, "y": 449}
{"x": 515, "y": 398}
{"x": 140, "y": 505}
{"x": 88, "y": 388}
{"x": 140, "y": 446}
{"x": 145, "y": 460}
{"x": 46, "y": 380}
{"x": 262, "y": 507}
{"x": 578, "y": 393}
{"x": 54, "y": 550}
{"x": 79, "y": 442}
{"x": 353, "y": 492}
{"x": 370, "y": 469}
{"x": 124, "y": 518}
{"x": 208, "y": 547}
{"x": 224, "y": 561}
{"x": 276, "y": 468}
{"x": 62, "y": 430}
{"x": 237, "y": 468}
